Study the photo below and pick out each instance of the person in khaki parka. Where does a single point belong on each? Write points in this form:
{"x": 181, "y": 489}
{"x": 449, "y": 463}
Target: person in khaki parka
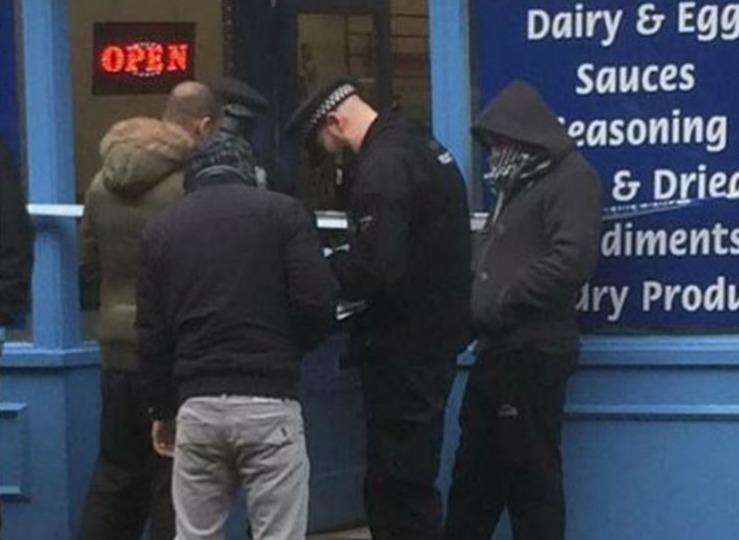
{"x": 142, "y": 173}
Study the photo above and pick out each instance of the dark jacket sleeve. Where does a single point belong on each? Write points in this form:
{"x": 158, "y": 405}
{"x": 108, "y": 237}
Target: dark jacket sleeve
{"x": 16, "y": 242}
{"x": 155, "y": 343}
{"x": 379, "y": 231}
{"x": 572, "y": 217}
{"x": 311, "y": 288}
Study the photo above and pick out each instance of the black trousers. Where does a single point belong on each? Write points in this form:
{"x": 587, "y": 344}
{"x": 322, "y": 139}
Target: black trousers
{"x": 405, "y": 424}
{"x": 509, "y": 453}
{"x": 131, "y": 484}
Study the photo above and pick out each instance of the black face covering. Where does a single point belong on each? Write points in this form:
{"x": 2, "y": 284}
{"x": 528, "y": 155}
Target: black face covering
{"x": 510, "y": 162}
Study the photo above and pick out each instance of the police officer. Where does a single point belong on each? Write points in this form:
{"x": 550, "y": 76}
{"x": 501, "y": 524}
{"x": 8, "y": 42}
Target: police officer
{"x": 408, "y": 259}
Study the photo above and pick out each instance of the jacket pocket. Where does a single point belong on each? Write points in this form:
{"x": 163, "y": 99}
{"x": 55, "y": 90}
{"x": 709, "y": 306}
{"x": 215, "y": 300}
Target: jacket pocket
{"x": 488, "y": 304}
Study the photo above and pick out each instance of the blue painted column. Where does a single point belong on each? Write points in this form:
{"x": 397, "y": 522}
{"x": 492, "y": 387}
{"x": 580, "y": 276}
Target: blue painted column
{"x": 50, "y": 165}
{"x": 49, "y": 397}
{"x": 451, "y": 88}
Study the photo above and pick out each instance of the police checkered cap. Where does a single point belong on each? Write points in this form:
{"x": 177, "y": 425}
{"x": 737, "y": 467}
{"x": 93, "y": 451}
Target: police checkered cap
{"x": 314, "y": 110}
{"x": 337, "y": 97}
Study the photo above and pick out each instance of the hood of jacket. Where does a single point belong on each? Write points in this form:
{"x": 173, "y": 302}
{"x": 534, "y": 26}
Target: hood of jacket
{"x": 520, "y": 113}
{"x": 139, "y": 153}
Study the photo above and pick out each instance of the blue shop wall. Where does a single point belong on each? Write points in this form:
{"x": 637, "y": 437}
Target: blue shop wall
{"x": 650, "y": 448}
{"x": 649, "y": 443}
{"x": 49, "y": 423}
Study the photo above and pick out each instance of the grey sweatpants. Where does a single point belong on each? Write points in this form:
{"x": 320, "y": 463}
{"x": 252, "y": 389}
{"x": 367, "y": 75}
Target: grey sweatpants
{"x": 226, "y": 442}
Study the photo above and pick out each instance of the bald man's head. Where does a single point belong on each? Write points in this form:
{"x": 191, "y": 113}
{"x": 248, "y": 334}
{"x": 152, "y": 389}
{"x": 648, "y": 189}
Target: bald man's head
{"x": 193, "y": 106}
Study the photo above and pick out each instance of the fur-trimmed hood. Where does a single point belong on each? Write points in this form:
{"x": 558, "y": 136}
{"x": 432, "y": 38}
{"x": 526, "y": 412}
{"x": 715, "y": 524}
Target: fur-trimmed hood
{"x": 139, "y": 153}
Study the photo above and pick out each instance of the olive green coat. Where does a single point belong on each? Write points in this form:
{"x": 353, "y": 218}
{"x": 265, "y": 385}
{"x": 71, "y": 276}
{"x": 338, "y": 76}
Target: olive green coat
{"x": 142, "y": 173}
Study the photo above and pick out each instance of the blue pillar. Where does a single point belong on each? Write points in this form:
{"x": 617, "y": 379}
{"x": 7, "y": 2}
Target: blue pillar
{"x": 49, "y": 404}
{"x": 451, "y": 90}
{"x": 50, "y": 163}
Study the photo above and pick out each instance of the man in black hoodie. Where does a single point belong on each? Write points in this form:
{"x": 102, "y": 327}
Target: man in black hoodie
{"x": 232, "y": 290}
{"x": 537, "y": 249}
{"x": 408, "y": 259}
{"x": 16, "y": 246}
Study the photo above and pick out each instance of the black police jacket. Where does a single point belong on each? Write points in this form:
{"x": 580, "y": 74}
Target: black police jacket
{"x": 409, "y": 239}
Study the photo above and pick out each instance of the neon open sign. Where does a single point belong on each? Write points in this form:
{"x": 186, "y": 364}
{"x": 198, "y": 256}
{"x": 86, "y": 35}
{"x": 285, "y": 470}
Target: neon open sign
{"x": 145, "y": 59}
{"x": 142, "y": 58}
